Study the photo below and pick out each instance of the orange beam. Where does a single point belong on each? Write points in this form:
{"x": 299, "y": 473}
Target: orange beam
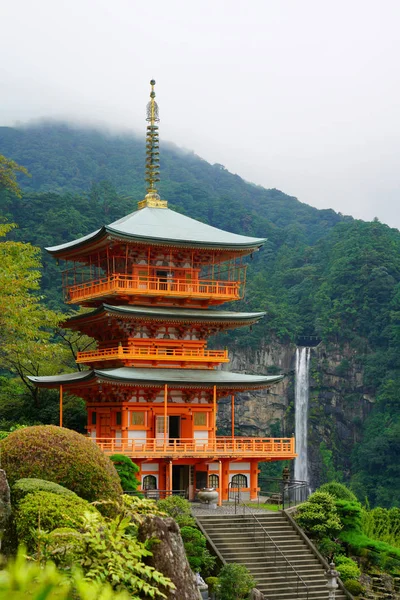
{"x": 220, "y": 483}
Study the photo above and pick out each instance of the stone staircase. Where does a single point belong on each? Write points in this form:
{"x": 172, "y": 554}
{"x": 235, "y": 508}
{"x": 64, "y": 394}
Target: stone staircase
{"x": 275, "y": 554}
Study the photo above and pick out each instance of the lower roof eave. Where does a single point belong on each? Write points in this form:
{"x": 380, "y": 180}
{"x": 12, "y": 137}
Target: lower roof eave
{"x": 149, "y": 377}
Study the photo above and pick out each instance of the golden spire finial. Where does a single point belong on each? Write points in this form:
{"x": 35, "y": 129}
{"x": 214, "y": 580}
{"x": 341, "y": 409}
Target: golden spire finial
{"x": 152, "y": 198}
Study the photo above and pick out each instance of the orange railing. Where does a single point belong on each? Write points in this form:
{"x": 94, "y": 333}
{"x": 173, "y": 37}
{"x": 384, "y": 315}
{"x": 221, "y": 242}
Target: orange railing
{"x": 153, "y": 286}
{"x": 228, "y": 447}
{"x": 152, "y": 353}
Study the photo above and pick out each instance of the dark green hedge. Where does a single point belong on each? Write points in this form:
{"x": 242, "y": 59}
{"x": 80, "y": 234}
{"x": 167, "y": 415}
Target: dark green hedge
{"x": 22, "y": 487}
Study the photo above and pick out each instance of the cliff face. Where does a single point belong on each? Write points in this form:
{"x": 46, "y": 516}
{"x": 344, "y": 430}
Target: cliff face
{"x": 339, "y": 403}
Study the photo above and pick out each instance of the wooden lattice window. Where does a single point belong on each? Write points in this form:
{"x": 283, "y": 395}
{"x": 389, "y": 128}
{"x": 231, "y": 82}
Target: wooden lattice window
{"x": 137, "y": 417}
{"x": 213, "y": 480}
{"x": 200, "y": 419}
{"x": 149, "y": 482}
{"x": 239, "y": 481}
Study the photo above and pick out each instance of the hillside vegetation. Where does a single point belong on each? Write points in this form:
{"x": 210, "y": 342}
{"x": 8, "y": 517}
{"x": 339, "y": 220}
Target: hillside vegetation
{"x": 318, "y": 273}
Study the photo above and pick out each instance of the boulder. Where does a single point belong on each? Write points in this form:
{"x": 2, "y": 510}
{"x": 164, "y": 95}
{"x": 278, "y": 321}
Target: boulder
{"x": 5, "y": 504}
{"x": 169, "y": 556}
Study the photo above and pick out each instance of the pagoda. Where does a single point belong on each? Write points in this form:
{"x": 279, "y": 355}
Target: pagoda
{"x": 152, "y": 281}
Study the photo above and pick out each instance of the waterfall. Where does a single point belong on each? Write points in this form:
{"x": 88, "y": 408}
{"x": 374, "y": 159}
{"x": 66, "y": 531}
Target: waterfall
{"x": 301, "y": 412}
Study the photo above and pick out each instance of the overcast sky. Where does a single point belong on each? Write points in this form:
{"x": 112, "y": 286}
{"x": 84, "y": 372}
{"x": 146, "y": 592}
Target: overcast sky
{"x": 301, "y": 95}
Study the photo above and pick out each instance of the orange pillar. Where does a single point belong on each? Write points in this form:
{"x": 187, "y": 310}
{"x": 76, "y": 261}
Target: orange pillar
{"x": 233, "y": 414}
{"x": 253, "y": 480}
{"x": 124, "y": 425}
{"x": 165, "y": 413}
{"x": 169, "y": 476}
{"x": 220, "y": 483}
{"x": 224, "y": 480}
{"x": 61, "y": 405}
{"x": 215, "y": 409}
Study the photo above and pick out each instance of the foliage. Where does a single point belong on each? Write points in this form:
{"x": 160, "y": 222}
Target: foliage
{"x": 199, "y": 558}
{"x": 318, "y": 516}
{"x": 47, "y": 511}
{"x": 26, "y": 325}
{"x": 338, "y": 491}
{"x": 62, "y": 456}
{"x": 135, "y": 508}
{"x": 107, "y": 552}
{"x": 376, "y": 553}
{"x": 22, "y": 487}
{"x": 347, "y": 567}
{"x": 382, "y": 524}
{"x": 349, "y": 514}
{"x": 234, "y": 582}
{"x": 179, "y": 509}
{"x": 126, "y": 470}
{"x": 8, "y": 175}
{"x": 212, "y": 583}
{"x": 22, "y": 578}
{"x": 354, "y": 587}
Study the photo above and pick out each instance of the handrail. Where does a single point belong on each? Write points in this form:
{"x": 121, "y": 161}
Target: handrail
{"x": 117, "y": 283}
{"x": 314, "y": 550}
{"x": 276, "y": 547}
{"x": 127, "y": 352}
{"x": 229, "y": 447}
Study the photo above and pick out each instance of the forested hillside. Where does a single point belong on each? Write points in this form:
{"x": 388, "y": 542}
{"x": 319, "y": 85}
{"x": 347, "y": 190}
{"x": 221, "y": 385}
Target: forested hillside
{"x": 319, "y": 272}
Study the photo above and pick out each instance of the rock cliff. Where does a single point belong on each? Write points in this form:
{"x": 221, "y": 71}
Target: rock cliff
{"x": 339, "y": 403}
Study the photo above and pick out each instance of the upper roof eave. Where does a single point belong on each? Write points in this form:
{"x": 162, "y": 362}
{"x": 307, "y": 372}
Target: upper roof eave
{"x": 164, "y": 227}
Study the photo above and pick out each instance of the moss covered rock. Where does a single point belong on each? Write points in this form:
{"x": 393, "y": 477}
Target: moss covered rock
{"x": 62, "y": 456}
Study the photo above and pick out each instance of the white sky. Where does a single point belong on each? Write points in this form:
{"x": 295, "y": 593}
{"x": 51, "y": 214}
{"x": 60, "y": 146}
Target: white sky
{"x": 301, "y": 95}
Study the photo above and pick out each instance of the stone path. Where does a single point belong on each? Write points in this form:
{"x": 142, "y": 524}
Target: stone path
{"x": 199, "y": 509}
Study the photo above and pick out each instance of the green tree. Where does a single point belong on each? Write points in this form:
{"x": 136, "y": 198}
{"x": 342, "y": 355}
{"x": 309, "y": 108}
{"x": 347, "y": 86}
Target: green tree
{"x": 8, "y": 175}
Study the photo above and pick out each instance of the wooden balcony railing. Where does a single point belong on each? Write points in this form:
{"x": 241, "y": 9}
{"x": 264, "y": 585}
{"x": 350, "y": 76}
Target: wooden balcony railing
{"x": 117, "y": 284}
{"x": 152, "y": 353}
{"x": 221, "y": 447}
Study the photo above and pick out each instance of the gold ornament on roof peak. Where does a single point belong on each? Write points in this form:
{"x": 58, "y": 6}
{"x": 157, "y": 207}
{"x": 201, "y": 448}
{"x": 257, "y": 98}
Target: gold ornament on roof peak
{"x": 152, "y": 199}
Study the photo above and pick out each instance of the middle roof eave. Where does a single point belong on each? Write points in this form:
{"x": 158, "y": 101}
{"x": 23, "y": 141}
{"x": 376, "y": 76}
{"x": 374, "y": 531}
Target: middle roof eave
{"x": 179, "y": 314}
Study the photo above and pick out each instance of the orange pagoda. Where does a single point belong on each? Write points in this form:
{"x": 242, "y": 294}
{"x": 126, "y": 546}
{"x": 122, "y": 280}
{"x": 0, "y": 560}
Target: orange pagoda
{"x": 152, "y": 280}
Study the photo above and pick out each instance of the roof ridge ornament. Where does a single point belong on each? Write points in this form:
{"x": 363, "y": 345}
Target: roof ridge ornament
{"x": 152, "y": 199}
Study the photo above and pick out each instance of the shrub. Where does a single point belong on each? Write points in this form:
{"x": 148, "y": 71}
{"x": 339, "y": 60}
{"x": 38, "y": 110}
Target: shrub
{"x": 347, "y": 567}
{"x": 26, "y": 579}
{"x": 107, "y": 551}
{"x": 62, "y": 456}
{"x": 354, "y": 587}
{"x": 350, "y": 514}
{"x": 234, "y": 582}
{"x": 382, "y": 524}
{"x": 338, "y": 490}
{"x": 22, "y": 487}
{"x": 48, "y": 511}
{"x": 126, "y": 470}
{"x": 318, "y": 516}
{"x": 199, "y": 558}
{"x": 212, "y": 583}
{"x": 179, "y": 509}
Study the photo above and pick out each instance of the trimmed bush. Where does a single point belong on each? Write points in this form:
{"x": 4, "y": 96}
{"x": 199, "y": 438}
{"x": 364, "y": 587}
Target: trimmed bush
{"x": 199, "y": 558}
{"x": 347, "y": 567}
{"x": 338, "y": 490}
{"x": 318, "y": 516}
{"x": 234, "y": 582}
{"x": 22, "y": 487}
{"x": 350, "y": 514}
{"x": 126, "y": 470}
{"x": 179, "y": 509}
{"x": 354, "y": 587}
{"x": 48, "y": 511}
{"x": 62, "y": 456}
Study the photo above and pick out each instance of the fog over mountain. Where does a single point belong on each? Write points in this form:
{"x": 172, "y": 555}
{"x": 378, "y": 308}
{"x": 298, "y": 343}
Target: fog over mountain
{"x": 299, "y": 96}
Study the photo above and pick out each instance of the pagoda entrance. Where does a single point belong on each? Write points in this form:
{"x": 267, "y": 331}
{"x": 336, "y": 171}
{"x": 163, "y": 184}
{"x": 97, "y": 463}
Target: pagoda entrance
{"x": 180, "y": 478}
